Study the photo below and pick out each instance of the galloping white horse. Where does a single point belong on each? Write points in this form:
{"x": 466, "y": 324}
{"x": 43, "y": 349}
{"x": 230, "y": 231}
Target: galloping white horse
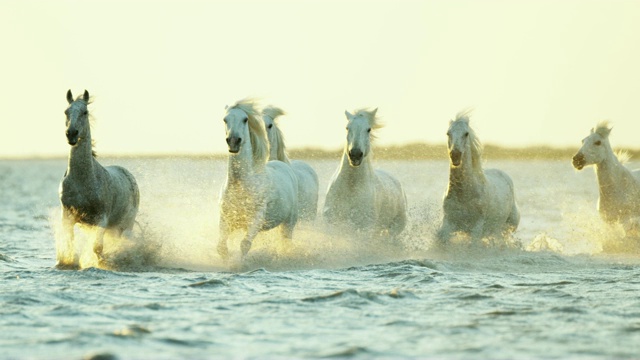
{"x": 308, "y": 186}
{"x": 106, "y": 197}
{"x": 480, "y": 203}
{"x": 360, "y": 198}
{"x": 258, "y": 195}
{"x": 619, "y": 200}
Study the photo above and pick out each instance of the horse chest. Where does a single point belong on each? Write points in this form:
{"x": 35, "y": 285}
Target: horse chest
{"x": 84, "y": 204}
{"x": 238, "y": 203}
{"x": 619, "y": 205}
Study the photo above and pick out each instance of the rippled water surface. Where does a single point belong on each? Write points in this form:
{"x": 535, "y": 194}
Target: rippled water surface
{"x": 571, "y": 291}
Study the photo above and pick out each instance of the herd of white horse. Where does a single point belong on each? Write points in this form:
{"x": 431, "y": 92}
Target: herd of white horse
{"x": 264, "y": 189}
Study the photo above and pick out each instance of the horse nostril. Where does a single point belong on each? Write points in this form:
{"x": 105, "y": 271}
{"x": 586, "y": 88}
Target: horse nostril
{"x": 233, "y": 141}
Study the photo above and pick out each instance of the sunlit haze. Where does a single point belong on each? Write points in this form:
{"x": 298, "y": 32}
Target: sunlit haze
{"x": 161, "y": 72}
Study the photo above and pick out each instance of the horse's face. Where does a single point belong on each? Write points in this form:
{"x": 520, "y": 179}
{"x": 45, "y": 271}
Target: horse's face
{"x": 77, "y": 122}
{"x": 358, "y": 138}
{"x": 458, "y": 142}
{"x": 593, "y": 151}
{"x": 237, "y": 129}
{"x": 270, "y": 126}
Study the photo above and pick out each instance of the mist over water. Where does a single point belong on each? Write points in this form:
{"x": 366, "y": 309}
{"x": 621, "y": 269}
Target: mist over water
{"x": 566, "y": 285}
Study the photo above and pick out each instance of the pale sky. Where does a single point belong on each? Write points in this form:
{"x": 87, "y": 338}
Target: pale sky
{"x": 536, "y": 72}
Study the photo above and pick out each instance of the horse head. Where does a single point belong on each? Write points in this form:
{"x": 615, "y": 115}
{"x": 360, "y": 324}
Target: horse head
{"x": 276, "y": 139}
{"x": 459, "y": 139}
{"x": 595, "y": 147}
{"x": 77, "y": 123}
{"x": 244, "y": 128}
{"x": 237, "y": 129}
{"x": 359, "y": 135}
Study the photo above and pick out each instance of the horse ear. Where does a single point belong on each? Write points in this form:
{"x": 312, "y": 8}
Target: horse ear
{"x": 607, "y": 131}
{"x": 348, "y": 114}
{"x": 85, "y": 96}
{"x": 69, "y": 97}
{"x": 226, "y": 107}
{"x": 373, "y": 113}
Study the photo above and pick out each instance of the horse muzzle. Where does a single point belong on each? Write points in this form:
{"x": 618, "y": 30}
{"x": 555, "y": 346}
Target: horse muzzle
{"x": 456, "y": 157}
{"x": 234, "y": 144}
{"x": 72, "y": 137}
{"x": 355, "y": 157}
{"x": 579, "y": 161}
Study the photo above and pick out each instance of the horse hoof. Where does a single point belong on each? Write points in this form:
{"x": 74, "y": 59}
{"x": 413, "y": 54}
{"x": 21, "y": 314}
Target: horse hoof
{"x": 66, "y": 266}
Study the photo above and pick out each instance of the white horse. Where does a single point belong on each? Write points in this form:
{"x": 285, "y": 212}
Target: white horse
{"x": 308, "y": 185}
{"x": 479, "y": 203}
{"x": 105, "y": 197}
{"x": 362, "y": 199}
{"x": 258, "y": 195}
{"x": 619, "y": 200}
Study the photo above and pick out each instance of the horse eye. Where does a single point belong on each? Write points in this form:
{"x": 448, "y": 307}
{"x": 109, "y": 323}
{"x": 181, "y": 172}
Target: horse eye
{"x": 369, "y": 130}
{"x": 270, "y": 126}
{"x": 466, "y": 134}
{"x": 598, "y": 143}
{"x": 245, "y": 120}
{"x": 85, "y": 112}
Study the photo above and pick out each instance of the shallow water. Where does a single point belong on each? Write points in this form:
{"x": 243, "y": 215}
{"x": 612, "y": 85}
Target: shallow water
{"x": 572, "y": 291}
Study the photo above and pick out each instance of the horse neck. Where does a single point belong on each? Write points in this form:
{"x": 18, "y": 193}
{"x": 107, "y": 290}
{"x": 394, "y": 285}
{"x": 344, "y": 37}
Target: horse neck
{"x": 276, "y": 152}
{"x": 468, "y": 176}
{"x": 610, "y": 173}
{"x": 82, "y": 164}
{"x": 241, "y": 165}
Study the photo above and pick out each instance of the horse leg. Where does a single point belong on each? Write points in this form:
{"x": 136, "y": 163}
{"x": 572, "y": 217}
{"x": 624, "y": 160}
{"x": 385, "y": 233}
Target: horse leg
{"x": 252, "y": 231}
{"x": 444, "y": 233}
{"x": 67, "y": 250}
{"x": 223, "y": 250}
{"x": 477, "y": 231}
{"x": 98, "y": 245}
{"x": 514, "y": 219}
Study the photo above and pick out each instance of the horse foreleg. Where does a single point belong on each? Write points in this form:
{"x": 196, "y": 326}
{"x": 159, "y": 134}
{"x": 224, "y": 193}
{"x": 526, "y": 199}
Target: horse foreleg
{"x": 67, "y": 247}
{"x": 98, "y": 244}
{"x": 444, "y": 233}
{"x": 477, "y": 231}
{"x": 223, "y": 250}
{"x": 252, "y": 231}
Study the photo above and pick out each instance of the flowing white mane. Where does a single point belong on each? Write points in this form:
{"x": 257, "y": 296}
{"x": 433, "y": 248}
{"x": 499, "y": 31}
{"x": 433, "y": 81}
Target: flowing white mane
{"x": 603, "y": 128}
{"x": 275, "y": 112}
{"x": 258, "y": 134}
{"x": 476, "y": 145}
{"x": 374, "y": 120}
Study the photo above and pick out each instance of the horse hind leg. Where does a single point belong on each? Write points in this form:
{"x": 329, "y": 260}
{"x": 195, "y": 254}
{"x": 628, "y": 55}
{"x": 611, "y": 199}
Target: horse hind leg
{"x": 513, "y": 220}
